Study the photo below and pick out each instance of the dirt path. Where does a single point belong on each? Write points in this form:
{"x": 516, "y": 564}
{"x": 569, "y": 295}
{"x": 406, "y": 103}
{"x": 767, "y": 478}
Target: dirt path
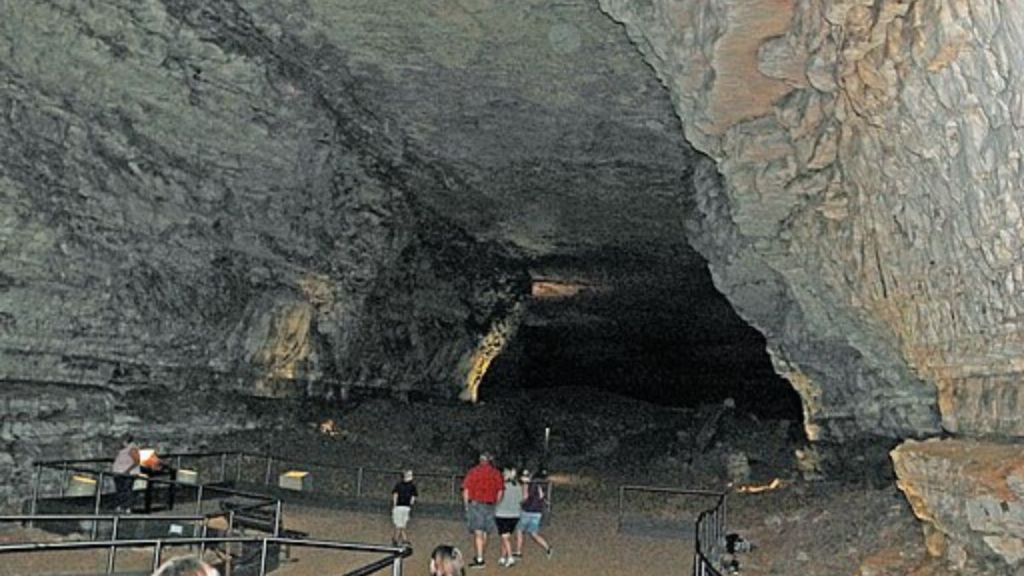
{"x": 584, "y": 543}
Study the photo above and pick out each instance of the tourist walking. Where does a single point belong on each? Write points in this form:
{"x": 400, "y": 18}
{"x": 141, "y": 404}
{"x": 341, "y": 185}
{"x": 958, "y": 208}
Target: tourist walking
{"x": 403, "y": 496}
{"x": 506, "y": 515}
{"x": 481, "y": 490}
{"x": 446, "y": 561}
{"x": 534, "y": 504}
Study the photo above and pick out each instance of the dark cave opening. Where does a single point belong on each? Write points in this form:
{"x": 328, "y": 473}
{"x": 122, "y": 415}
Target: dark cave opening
{"x": 656, "y": 333}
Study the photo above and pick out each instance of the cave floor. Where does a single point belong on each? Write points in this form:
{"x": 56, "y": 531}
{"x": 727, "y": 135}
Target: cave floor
{"x": 597, "y": 443}
{"x": 600, "y": 441}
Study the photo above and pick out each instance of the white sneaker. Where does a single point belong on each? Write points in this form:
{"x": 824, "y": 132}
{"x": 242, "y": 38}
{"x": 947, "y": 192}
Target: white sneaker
{"x": 510, "y": 563}
{"x": 502, "y": 561}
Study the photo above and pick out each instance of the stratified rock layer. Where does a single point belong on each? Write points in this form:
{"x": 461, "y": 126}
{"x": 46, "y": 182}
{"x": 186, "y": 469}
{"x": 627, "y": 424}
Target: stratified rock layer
{"x": 867, "y": 218}
{"x": 264, "y": 197}
{"x": 970, "y": 496}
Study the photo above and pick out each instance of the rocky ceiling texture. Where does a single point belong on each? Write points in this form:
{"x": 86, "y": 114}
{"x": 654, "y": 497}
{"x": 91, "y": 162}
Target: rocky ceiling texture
{"x": 256, "y": 196}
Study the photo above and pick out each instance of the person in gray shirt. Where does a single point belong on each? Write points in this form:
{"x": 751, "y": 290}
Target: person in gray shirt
{"x": 506, "y": 514}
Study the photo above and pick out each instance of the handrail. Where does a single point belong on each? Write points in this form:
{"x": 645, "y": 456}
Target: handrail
{"x": 173, "y": 455}
{"x": 658, "y": 490}
{"x": 453, "y": 480}
{"x": 122, "y": 517}
{"x": 395, "y": 558}
{"x": 710, "y": 528}
{"x": 361, "y": 471}
{"x": 262, "y": 500}
{"x": 669, "y": 489}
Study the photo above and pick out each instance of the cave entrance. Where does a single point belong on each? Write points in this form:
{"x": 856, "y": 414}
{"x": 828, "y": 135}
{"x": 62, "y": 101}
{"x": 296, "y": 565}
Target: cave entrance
{"x": 652, "y": 329}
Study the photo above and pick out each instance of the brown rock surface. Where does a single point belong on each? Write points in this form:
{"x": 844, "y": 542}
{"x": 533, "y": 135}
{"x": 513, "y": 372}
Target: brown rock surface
{"x": 969, "y": 494}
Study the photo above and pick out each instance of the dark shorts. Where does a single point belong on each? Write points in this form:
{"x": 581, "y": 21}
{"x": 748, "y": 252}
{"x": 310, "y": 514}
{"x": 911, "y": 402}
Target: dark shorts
{"x": 480, "y": 517}
{"x": 506, "y": 525}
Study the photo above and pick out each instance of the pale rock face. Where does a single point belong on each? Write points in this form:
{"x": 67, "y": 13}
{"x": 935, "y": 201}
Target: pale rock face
{"x": 970, "y": 494}
{"x": 870, "y": 164}
{"x": 864, "y": 211}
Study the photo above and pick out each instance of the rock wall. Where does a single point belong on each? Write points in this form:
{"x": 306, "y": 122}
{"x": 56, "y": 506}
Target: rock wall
{"x": 862, "y": 208}
{"x": 189, "y": 202}
{"x": 969, "y": 493}
{"x": 868, "y": 153}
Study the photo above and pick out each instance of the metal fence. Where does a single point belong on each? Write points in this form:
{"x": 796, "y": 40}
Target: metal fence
{"x": 671, "y": 511}
{"x": 709, "y": 527}
{"x": 200, "y": 524}
{"x": 393, "y": 556}
{"x": 240, "y": 466}
{"x": 200, "y": 492}
{"x": 710, "y": 540}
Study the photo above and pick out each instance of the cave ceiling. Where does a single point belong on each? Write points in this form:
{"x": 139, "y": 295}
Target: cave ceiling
{"x": 542, "y": 126}
{"x": 314, "y": 187}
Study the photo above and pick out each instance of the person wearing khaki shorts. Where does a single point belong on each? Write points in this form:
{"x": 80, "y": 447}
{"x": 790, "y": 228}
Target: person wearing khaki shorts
{"x": 403, "y": 496}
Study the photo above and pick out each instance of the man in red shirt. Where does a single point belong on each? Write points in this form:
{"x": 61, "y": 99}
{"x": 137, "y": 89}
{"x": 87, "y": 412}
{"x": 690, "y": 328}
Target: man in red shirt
{"x": 481, "y": 489}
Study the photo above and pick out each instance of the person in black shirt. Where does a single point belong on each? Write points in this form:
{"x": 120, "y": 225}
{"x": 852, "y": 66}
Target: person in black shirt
{"x": 403, "y": 496}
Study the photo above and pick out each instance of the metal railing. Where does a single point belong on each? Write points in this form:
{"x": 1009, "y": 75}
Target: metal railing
{"x": 203, "y": 493}
{"x": 200, "y": 527}
{"x": 710, "y": 540}
{"x": 626, "y": 489}
{"x": 709, "y": 528}
{"x": 394, "y": 555}
{"x": 357, "y": 481}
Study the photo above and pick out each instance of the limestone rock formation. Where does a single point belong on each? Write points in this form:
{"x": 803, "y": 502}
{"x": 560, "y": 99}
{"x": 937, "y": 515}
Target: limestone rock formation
{"x": 970, "y": 494}
{"x": 863, "y": 204}
{"x": 259, "y": 197}
{"x": 267, "y": 197}
{"x": 868, "y": 163}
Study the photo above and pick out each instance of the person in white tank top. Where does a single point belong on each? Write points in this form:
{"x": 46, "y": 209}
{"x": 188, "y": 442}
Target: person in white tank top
{"x": 126, "y": 466}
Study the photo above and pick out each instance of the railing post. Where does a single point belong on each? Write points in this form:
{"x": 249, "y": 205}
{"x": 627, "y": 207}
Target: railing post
{"x": 35, "y": 491}
{"x": 266, "y": 478}
{"x": 96, "y": 508}
{"x": 199, "y": 500}
{"x": 359, "y": 482}
{"x": 238, "y": 468}
{"x": 231, "y": 522}
{"x": 622, "y": 499}
{"x": 277, "y": 519}
{"x": 263, "y": 559}
{"x": 223, "y": 466}
{"x": 158, "y": 549}
{"x": 202, "y": 545}
{"x": 396, "y": 566}
{"x": 112, "y": 552}
{"x": 63, "y": 478}
{"x": 177, "y": 462}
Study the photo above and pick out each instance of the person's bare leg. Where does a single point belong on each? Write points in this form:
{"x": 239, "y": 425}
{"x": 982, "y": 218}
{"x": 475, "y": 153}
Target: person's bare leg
{"x": 540, "y": 540}
{"x": 519, "y": 543}
{"x": 479, "y": 542}
{"x": 506, "y": 545}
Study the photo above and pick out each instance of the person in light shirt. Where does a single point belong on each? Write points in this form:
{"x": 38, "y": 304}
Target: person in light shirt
{"x": 125, "y": 467}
